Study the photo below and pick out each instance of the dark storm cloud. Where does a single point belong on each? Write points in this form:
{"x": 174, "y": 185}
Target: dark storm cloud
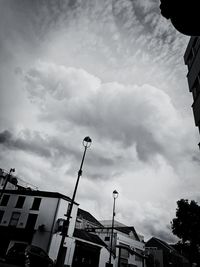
{"x": 36, "y": 145}
{"x": 52, "y": 148}
{"x": 196, "y": 158}
{"x": 98, "y": 166}
{"x": 5, "y": 137}
{"x": 146, "y": 145}
{"x": 97, "y": 159}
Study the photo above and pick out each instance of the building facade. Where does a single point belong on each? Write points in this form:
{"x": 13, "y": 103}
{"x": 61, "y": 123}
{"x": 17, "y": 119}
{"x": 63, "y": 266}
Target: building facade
{"x": 127, "y": 247}
{"x": 94, "y": 247}
{"x": 36, "y": 217}
{"x": 192, "y": 60}
{"x": 33, "y": 217}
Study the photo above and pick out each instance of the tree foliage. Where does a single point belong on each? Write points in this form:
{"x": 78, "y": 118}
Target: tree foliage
{"x": 186, "y": 225}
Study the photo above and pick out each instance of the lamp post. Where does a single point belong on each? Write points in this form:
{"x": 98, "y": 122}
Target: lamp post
{"x": 62, "y": 250}
{"x": 115, "y": 195}
{"x": 6, "y": 181}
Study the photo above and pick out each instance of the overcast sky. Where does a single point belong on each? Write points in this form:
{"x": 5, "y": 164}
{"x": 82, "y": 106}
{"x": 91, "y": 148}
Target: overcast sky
{"x": 110, "y": 69}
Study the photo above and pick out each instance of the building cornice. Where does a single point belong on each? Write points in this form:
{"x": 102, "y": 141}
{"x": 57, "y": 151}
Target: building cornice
{"x": 38, "y": 193}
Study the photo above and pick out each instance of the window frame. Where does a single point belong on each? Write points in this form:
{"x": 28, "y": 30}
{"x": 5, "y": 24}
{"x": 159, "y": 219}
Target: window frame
{"x": 4, "y": 200}
{"x": 14, "y": 219}
{"x": 20, "y": 202}
{"x": 36, "y": 203}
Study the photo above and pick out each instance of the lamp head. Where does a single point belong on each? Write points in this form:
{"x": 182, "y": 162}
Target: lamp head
{"x": 87, "y": 141}
{"x": 115, "y": 194}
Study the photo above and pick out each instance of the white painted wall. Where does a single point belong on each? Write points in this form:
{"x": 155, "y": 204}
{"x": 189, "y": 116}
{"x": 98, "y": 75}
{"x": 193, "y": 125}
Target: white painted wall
{"x": 46, "y": 217}
{"x": 133, "y": 244}
{"x": 104, "y": 257}
{"x": 123, "y": 238}
{"x": 129, "y": 241}
{"x": 11, "y": 207}
{"x": 56, "y": 238}
{"x": 50, "y": 210}
{"x": 45, "y": 213}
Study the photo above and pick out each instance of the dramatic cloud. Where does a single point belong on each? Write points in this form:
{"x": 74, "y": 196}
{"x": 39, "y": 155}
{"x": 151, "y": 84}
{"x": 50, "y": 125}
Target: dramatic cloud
{"x": 143, "y": 116}
{"x": 112, "y": 70}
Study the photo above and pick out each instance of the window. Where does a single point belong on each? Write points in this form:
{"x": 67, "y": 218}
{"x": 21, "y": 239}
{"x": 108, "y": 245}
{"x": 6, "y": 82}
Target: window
{"x": 20, "y": 202}
{"x": 137, "y": 257}
{"x": 124, "y": 251}
{"x": 4, "y": 200}
{"x": 107, "y": 238}
{"x": 36, "y": 203}
{"x": 1, "y": 215}
{"x": 14, "y": 218}
{"x": 31, "y": 221}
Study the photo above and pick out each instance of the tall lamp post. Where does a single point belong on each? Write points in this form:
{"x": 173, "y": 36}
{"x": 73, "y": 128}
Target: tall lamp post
{"x": 6, "y": 181}
{"x": 115, "y": 195}
{"x": 62, "y": 250}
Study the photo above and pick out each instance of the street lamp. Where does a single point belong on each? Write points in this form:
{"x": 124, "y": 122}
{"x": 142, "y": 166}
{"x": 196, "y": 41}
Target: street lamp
{"x": 115, "y": 195}
{"x": 6, "y": 181}
{"x": 62, "y": 250}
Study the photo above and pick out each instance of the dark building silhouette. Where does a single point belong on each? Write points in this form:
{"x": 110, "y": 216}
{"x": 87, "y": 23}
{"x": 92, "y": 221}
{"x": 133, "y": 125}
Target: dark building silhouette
{"x": 183, "y": 14}
{"x": 161, "y": 254}
{"x": 192, "y": 60}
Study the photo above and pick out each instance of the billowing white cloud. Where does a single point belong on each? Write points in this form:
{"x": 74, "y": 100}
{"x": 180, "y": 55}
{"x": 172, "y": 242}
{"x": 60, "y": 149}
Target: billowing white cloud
{"x": 140, "y": 116}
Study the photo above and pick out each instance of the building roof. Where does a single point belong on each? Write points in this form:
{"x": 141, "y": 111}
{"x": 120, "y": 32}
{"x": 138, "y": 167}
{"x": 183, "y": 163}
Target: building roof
{"x": 29, "y": 192}
{"x": 161, "y": 243}
{"x": 120, "y": 227}
{"x": 93, "y": 238}
{"x": 108, "y": 223}
{"x": 127, "y": 230}
{"x": 156, "y": 242}
{"x": 83, "y": 214}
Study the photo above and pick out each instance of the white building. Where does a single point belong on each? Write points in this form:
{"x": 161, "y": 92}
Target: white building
{"x": 32, "y": 217}
{"x": 85, "y": 224}
{"x": 36, "y": 217}
{"x": 128, "y": 247}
